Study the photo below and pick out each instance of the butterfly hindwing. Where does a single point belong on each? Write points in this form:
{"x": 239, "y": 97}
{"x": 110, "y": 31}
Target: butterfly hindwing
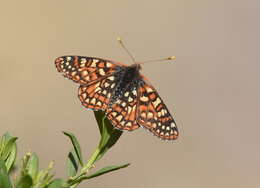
{"x": 123, "y": 112}
{"x": 153, "y": 113}
{"x": 97, "y": 94}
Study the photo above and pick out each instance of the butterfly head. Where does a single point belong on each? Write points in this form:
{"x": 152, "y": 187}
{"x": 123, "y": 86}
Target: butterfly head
{"x": 137, "y": 66}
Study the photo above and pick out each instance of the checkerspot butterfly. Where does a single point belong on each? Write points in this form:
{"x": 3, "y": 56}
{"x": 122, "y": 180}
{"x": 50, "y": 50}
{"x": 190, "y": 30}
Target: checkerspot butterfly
{"x": 125, "y": 95}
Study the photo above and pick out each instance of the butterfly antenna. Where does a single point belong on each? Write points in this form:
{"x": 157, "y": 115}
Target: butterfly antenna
{"x": 171, "y": 58}
{"x": 127, "y": 51}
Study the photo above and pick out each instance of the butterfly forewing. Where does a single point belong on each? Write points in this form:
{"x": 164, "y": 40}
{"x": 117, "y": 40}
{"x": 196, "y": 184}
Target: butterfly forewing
{"x": 84, "y": 70}
{"x": 153, "y": 114}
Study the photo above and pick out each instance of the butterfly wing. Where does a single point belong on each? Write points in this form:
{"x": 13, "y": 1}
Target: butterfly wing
{"x": 94, "y": 75}
{"x": 84, "y": 70}
{"x": 123, "y": 112}
{"x": 153, "y": 113}
{"x": 97, "y": 94}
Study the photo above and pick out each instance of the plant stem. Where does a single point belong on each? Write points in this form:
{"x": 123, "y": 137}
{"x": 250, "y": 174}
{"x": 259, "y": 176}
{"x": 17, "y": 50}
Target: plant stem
{"x": 91, "y": 161}
{"x": 86, "y": 168}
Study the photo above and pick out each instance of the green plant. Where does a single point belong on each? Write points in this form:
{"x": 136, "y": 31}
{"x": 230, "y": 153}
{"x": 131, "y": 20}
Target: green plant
{"x": 30, "y": 176}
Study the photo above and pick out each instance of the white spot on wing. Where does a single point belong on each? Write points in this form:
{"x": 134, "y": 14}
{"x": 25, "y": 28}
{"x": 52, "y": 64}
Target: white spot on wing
{"x": 113, "y": 85}
{"x": 157, "y": 102}
{"x": 149, "y": 115}
{"x": 119, "y": 118}
{"x": 102, "y": 72}
{"x": 99, "y": 103}
{"x": 144, "y": 98}
{"x": 93, "y": 101}
{"x": 130, "y": 99}
{"x": 106, "y": 84}
{"x": 149, "y": 90}
{"x": 128, "y": 124}
{"x": 109, "y": 64}
{"x": 83, "y": 61}
{"x": 111, "y": 78}
{"x": 126, "y": 94}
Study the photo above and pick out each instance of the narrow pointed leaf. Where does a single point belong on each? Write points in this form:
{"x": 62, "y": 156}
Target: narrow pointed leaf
{"x": 99, "y": 118}
{"x": 4, "y": 139}
{"x": 8, "y": 147}
{"x": 72, "y": 163}
{"x": 4, "y": 178}
{"x": 11, "y": 158}
{"x": 25, "y": 182}
{"x": 109, "y": 135}
{"x": 106, "y": 170}
{"x": 113, "y": 133}
{"x": 76, "y": 146}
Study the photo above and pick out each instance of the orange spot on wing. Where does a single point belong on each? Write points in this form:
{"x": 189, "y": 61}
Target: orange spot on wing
{"x": 93, "y": 76}
{"x": 76, "y": 62}
{"x": 90, "y": 89}
{"x": 118, "y": 108}
{"x": 142, "y": 108}
{"x": 132, "y": 116}
{"x": 103, "y": 99}
{"x": 101, "y": 65}
{"x": 152, "y": 96}
{"x": 124, "y": 113}
{"x": 159, "y": 107}
{"x": 96, "y": 95}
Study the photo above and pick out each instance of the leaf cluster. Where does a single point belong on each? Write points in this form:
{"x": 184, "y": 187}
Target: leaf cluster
{"x": 29, "y": 175}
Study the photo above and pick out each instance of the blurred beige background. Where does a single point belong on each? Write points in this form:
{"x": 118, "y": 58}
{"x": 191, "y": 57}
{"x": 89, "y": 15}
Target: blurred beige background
{"x": 212, "y": 90}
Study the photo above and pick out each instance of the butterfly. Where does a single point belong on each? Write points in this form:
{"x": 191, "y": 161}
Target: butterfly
{"x": 126, "y": 96}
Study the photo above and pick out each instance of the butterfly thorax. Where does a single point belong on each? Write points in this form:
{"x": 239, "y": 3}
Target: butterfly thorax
{"x": 128, "y": 78}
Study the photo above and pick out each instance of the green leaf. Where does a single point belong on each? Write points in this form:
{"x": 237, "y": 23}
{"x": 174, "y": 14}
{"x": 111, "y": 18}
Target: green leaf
{"x": 25, "y": 160}
{"x": 72, "y": 163}
{"x": 99, "y": 118}
{"x": 25, "y": 182}
{"x": 5, "y": 138}
{"x": 11, "y": 158}
{"x": 4, "y": 178}
{"x": 109, "y": 135}
{"x": 76, "y": 146}
{"x": 106, "y": 170}
{"x": 33, "y": 166}
{"x": 8, "y": 148}
{"x": 58, "y": 183}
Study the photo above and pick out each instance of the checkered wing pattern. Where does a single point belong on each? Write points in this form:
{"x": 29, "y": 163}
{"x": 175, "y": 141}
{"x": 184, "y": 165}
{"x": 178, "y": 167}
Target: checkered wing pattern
{"x": 153, "y": 113}
{"x": 84, "y": 70}
{"x": 97, "y": 94}
{"x": 123, "y": 112}
{"x": 127, "y": 98}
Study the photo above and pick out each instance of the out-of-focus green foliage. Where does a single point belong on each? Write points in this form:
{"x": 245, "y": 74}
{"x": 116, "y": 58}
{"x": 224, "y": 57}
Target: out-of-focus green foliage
{"x": 29, "y": 174}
